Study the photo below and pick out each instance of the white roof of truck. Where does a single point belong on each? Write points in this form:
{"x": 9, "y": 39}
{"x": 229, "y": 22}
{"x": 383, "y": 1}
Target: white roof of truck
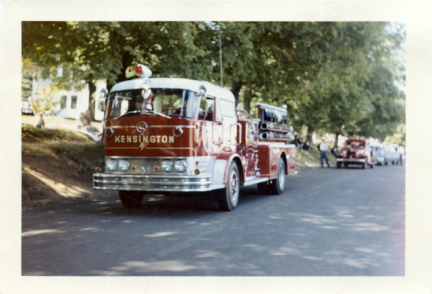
{"x": 176, "y": 83}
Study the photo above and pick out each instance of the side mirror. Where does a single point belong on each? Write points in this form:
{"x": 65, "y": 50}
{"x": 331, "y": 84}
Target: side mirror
{"x": 202, "y": 90}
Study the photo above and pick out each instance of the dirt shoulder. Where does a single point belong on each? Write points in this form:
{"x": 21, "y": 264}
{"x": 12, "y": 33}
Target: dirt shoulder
{"x": 57, "y": 164}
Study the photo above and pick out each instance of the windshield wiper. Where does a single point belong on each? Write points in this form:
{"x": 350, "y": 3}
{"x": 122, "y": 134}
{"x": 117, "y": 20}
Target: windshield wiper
{"x": 158, "y": 113}
{"x": 148, "y": 112}
{"x": 129, "y": 112}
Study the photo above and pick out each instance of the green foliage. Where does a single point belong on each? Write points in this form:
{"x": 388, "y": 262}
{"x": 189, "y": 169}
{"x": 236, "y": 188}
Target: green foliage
{"x": 336, "y": 77}
{"x": 47, "y": 103}
{"x": 398, "y": 137}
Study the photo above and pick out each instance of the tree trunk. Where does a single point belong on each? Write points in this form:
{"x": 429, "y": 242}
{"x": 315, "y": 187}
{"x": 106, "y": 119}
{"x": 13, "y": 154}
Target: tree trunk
{"x": 92, "y": 90}
{"x": 336, "y": 139}
{"x": 247, "y": 99}
{"x": 310, "y": 131}
{"x": 235, "y": 89}
{"x": 121, "y": 76}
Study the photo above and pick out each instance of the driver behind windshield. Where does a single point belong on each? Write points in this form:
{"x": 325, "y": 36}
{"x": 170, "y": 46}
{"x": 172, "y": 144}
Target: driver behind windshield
{"x": 139, "y": 103}
{"x": 159, "y": 101}
{"x": 187, "y": 109}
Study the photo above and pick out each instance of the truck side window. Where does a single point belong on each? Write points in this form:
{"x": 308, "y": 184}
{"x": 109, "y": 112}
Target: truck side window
{"x": 227, "y": 108}
{"x": 206, "y": 111}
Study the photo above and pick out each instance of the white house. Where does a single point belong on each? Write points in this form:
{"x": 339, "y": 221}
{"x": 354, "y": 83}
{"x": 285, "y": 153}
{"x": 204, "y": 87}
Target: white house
{"x": 72, "y": 103}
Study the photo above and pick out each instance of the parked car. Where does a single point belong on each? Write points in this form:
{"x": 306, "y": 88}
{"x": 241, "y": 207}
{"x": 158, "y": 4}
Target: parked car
{"x": 393, "y": 154}
{"x": 356, "y": 151}
{"x": 379, "y": 152}
{"x": 26, "y": 107}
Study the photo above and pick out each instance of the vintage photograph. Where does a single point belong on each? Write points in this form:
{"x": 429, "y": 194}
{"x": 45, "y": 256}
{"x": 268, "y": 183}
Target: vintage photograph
{"x": 228, "y": 150}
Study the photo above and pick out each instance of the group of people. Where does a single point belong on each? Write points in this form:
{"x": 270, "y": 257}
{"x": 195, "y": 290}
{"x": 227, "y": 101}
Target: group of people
{"x": 298, "y": 142}
{"x": 83, "y": 124}
{"x": 322, "y": 147}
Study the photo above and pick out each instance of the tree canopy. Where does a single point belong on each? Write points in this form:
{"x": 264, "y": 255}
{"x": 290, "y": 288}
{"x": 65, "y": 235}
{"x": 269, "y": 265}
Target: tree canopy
{"x": 335, "y": 77}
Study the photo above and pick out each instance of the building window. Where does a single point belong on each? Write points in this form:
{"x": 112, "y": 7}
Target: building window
{"x": 63, "y": 100}
{"x": 74, "y": 102}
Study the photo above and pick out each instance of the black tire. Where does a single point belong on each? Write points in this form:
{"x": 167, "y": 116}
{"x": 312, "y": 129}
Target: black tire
{"x": 278, "y": 184}
{"x": 131, "y": 199}
{"x": 338, "y": 164}
{"x": 364, "y": 165}
{"x": 229, "y": 196}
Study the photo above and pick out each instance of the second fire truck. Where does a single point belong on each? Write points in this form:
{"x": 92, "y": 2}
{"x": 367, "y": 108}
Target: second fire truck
{"x": 171, "y": 135}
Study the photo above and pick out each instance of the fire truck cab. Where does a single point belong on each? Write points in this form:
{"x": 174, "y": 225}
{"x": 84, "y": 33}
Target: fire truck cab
{"x": 356, "y": 151}
{"x": 169, "y": 135}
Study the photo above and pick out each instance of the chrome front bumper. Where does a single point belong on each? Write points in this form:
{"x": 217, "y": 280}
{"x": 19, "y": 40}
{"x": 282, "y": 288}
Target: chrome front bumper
{"x": 153, "y": 183}
{"x": 351, "y": 160}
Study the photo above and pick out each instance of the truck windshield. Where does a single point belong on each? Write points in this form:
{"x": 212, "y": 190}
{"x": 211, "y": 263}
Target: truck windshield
{"x": 177, "y": 102}
{"x": 355, "y": 144}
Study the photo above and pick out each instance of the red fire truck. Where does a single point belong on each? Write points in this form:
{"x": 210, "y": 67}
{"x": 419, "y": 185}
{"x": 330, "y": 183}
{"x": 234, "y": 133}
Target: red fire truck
{"x": 171, "y": 135}
{"x": 356, "y": 151}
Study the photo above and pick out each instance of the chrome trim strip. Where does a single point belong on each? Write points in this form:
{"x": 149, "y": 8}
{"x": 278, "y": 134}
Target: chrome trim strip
{"x": 150, "y": 126}
{"x": 350, "y": 160}
{"x": 192, "y": 150}
{"x": 152, "y": 183}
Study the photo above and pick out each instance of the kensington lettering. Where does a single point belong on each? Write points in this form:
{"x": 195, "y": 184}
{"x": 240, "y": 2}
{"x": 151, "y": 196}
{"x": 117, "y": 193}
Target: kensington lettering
{"x": 144, "y": 139}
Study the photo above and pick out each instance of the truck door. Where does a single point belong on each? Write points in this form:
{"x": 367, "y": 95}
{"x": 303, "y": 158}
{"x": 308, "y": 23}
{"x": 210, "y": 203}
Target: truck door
{"x": 219, "y": 125}
{"x": 226, "y": 119}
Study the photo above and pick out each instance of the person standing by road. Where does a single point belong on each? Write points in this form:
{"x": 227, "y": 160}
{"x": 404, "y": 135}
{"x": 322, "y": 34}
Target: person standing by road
{"x": 323, "y": 147}
{"x": 40, "y": 122}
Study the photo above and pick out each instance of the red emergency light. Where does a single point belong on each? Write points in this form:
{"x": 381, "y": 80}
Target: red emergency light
{"x": 143, "y": 71}
{"x": 138, "y": 69}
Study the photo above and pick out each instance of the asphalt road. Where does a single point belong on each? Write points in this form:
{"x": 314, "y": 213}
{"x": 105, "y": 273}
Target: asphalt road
{"x": 328, "y": 222}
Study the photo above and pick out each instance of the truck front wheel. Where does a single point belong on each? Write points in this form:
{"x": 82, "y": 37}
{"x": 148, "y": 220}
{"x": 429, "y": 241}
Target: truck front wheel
{"x": 229, "y": 196}
{"x": 131, "y": 199}
{"x": 278, "y": 184}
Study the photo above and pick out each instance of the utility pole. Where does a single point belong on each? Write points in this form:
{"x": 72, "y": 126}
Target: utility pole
{"x": 220, "y": 55}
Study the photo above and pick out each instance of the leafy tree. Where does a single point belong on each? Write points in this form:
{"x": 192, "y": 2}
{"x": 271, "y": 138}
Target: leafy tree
{"x": 336, "y": 77}
{"x": 334, "y": 93}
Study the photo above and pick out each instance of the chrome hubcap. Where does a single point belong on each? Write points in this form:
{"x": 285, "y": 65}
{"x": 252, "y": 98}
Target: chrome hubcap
{"x": 234, "y": 187}
{"x": 281, "y": 177}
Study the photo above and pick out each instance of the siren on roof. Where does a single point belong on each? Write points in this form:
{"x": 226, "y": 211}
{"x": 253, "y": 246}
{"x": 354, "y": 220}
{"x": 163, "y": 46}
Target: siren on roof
{"x": 143, "y": 71}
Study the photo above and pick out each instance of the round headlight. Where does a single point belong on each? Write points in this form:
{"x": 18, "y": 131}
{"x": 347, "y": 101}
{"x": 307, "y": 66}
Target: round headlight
{"x": 167, "y": 165}
{"x": 111, "y": 164}
{"x": 180, "y": 165}
{"x": 123, "y": 164}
